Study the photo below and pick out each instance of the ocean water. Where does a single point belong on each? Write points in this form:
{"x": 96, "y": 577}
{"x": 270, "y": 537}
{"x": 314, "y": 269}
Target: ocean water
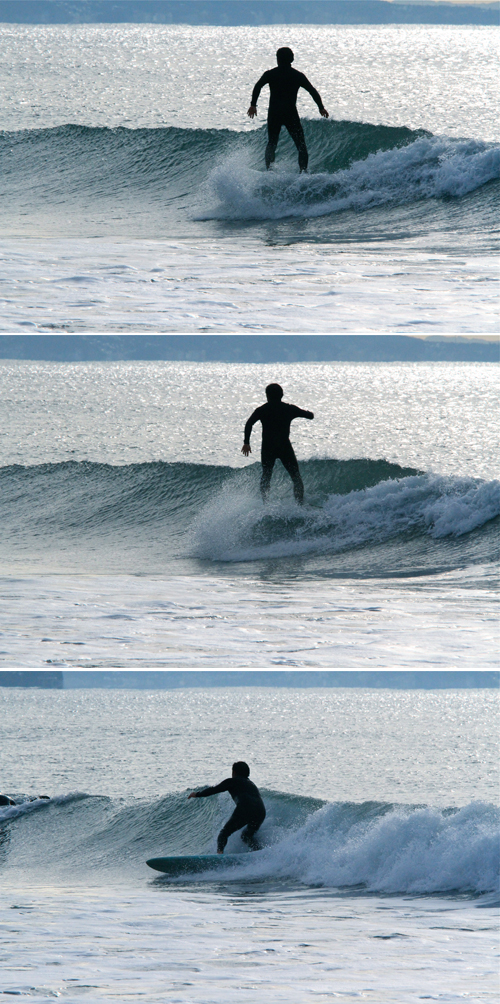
{"x": 134, "y": 196}
{"x": 133, "y": 533}
{"x": 378, "y": 874}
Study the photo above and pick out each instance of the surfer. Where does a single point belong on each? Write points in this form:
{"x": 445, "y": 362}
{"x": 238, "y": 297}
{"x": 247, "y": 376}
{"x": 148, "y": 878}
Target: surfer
{"x": 276, "y": 417}
{"x": 250, "y": 811}
{"x": 284, "y": 83}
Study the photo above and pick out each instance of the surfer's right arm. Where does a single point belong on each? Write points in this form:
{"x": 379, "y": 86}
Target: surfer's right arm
{"x": 246, "y": 449}
{"x": 252, "y": 111}
{"x": 205, "y": 792}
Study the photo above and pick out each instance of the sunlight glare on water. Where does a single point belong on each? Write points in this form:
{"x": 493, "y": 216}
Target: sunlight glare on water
{"x": 434, "y": 416}
{"x": 141, "y": 76}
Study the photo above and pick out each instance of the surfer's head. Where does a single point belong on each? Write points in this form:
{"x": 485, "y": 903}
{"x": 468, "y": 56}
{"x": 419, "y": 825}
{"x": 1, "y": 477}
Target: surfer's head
{"x": 274, "y": 393}
{"x": 285, "y": 56}
{"x": 241, "y": 769}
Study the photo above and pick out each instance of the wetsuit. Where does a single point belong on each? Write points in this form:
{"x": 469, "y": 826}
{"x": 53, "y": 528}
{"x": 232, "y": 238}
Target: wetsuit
{"x": 284, "y": 83}
{"x": 276, "y": 418}
{"x": 250, "y": 811}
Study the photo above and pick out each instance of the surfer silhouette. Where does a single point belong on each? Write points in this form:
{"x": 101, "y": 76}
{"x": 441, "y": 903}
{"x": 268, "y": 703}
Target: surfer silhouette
{"x": 250, "y": 811}
{"x": 276, "y": 417}
{"x": 284, "y": 83}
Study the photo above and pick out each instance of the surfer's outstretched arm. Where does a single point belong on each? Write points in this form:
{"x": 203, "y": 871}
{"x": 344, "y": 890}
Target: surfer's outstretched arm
{"x": 223, "y": 786}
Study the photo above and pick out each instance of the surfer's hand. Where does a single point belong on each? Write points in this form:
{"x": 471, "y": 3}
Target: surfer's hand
{"x": 245, "y": 449}
{"x": 252, "y": 111}
{"x": 193, "y": 795}
{"x": 324, "y": 113}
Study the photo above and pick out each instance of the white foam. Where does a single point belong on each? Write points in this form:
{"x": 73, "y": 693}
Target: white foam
{"x": 408, "y": 850}
{"x": 455, "y": 514}
{"x": 233, "y": 285}
{"x": 234, "y": 527}
{"x": 203, "y": 946}
{"x": 430, "y": 167}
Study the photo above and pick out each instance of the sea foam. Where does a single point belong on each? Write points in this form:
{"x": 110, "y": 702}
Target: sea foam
{"x": 393, "y": 849}
{"x": 234, "y": 526}
{"x": 428, "y": 167}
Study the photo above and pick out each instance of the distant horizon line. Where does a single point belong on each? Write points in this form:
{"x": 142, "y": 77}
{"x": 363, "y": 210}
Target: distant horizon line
{"x": 145, "y": 679}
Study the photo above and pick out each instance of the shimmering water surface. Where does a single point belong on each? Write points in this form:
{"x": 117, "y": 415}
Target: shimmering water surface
{"x": 438, "y": 416}
{"x": 202, "y": 76}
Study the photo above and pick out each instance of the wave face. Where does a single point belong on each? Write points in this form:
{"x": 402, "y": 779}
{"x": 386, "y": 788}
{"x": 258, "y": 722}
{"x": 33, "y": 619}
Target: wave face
{"x": 373, "y": 846}
{"x": 361, "y": 517}
{"x": 146, "y": 175}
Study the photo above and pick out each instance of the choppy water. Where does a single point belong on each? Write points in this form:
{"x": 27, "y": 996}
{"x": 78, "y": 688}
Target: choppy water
{"x": 381, "y": 836}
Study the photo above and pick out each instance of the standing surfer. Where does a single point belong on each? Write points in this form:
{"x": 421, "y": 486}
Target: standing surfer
{"x": 284, "y": 83}
{"x": 276, "y": 418}
{"x": 250, "y": 811}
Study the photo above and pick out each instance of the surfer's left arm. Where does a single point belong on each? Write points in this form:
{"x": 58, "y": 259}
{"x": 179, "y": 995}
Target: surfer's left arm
{"x": 246, "y": 448}
{"x": 306, "y": 84}
{"x": 300, "y": 413}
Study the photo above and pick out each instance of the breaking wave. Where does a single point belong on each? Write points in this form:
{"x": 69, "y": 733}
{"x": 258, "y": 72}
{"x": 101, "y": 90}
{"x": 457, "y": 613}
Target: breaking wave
{"x": 142, "y": 176}
{"x": 373, "y": 846}
{"x": 428, "y": 167}
{"x": 366, "y": 517}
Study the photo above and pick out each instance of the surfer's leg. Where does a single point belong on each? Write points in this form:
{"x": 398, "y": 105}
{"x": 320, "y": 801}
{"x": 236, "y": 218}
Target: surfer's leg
{"x": 296, "y": 131}
{"x": 289, "y": 461}
{"x": 268, "y": 461}
{"x": 248, "y": 835}
{"x": 273, "y": 135}
{"x": 235, "y": 822}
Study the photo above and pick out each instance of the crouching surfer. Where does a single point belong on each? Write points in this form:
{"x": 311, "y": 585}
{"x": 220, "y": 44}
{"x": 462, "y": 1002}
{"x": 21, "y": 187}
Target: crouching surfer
{"x": 250, "y": 811}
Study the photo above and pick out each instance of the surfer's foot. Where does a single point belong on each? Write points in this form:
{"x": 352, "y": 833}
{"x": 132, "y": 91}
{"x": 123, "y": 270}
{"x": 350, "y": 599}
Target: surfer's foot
{"x": 220, "y": 852}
